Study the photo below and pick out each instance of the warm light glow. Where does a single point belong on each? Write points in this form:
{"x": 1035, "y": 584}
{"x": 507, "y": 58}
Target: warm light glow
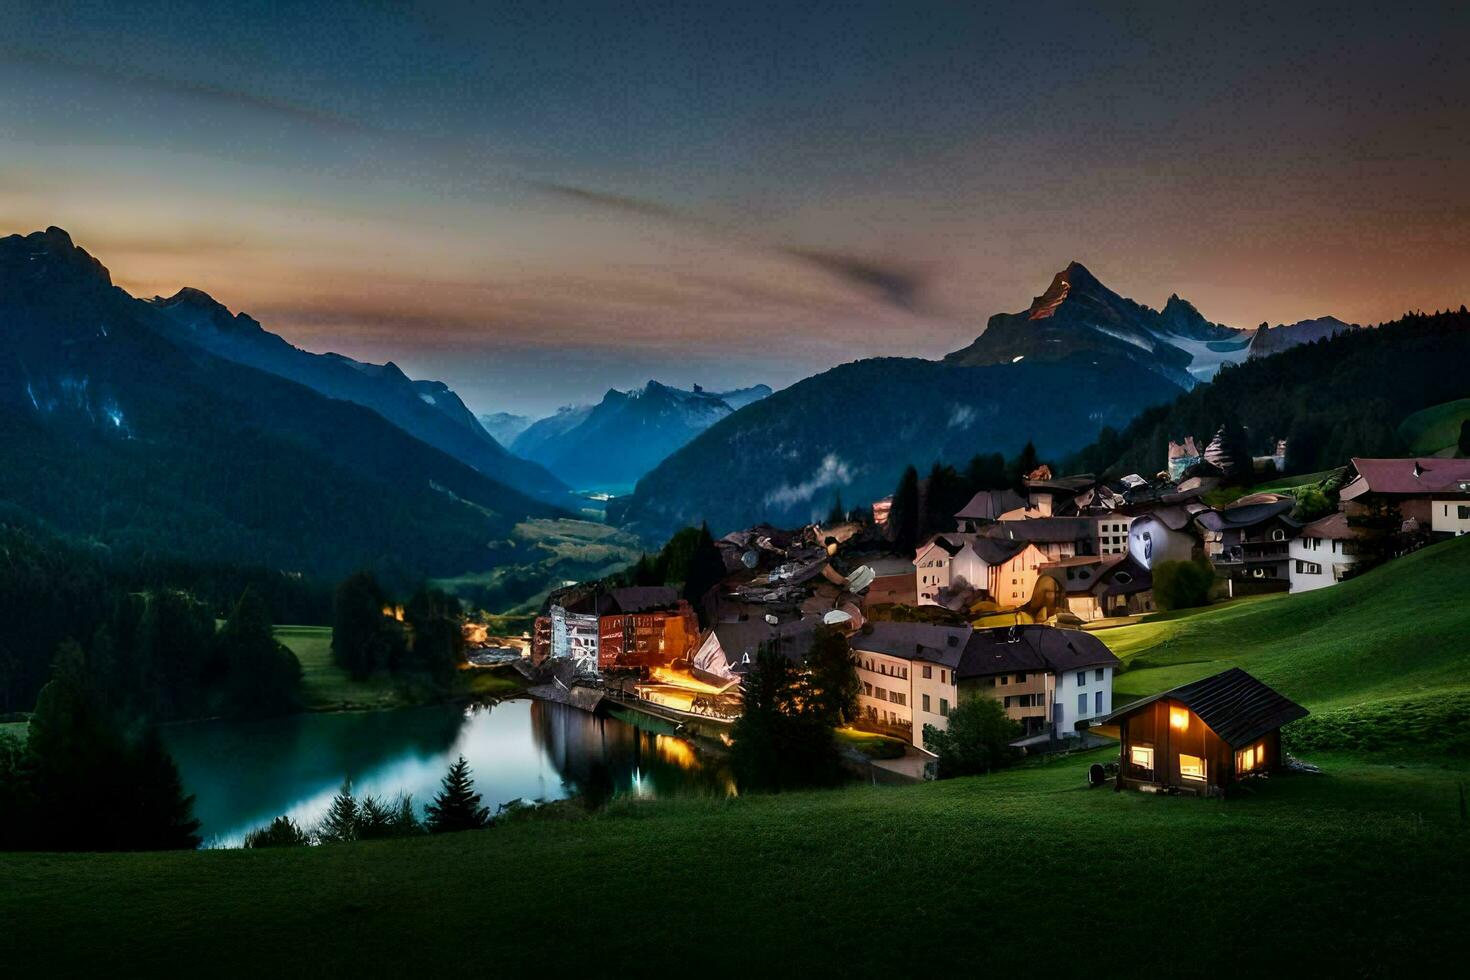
{"x": 684, "y": 679}
{"x": 1191, "y": 767}
{"x": 1142, "y": 756}
{"x": 1179, "y": 718}
{"x": 1248, "y": 759}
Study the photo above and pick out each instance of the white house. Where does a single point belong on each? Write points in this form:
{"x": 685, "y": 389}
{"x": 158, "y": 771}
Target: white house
{"x": 1000, "y": 565}
{"x": 1321, "y": 553}
{"x": 1449, "y": 516}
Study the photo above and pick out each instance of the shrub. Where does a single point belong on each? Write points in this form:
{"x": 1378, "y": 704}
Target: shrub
{"x": 1183, "y": 584}
{"x": 280, "y": 832}
{"x": 977, "y": 741}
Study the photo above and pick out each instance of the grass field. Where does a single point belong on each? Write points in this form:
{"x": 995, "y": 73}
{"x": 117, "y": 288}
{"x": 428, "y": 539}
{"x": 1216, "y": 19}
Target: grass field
{"x": 1360, "y": 870}
{"x": 1435, "y": 429}
{"x": 1389, "y": 641}
{"x": 327, "y": 687}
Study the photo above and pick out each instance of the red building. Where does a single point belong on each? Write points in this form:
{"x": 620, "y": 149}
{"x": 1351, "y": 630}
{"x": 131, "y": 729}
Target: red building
{"x": 647, "y": 639}
{"x": 540, "y": 640}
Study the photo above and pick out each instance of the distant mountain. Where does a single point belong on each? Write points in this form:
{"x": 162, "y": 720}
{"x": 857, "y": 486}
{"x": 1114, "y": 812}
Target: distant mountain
{"x": 613, "y": 443}
{"x": 1078, "y": 314}
{"x": 505, "y": 426}
{"x": 427, "y": 410}
{"x": 853, "y": 429}
{"x": 1274, "y": 340}
{"x": 117, "y": 428}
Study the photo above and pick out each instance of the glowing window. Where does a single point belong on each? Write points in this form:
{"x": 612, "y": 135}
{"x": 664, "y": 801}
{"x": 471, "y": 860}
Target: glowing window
{"x": 1179, "y": 718}
{"x": 1248, "y": 759}
{"x": 1142, "y": 756}
{"x": 1191, "y": 767}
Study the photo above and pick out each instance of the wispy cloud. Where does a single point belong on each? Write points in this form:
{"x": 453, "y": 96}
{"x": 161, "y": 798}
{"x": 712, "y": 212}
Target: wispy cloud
{"x": 890, "y": 283}
{"x": 832, "y": 472}
{"x": 219, "y": 95}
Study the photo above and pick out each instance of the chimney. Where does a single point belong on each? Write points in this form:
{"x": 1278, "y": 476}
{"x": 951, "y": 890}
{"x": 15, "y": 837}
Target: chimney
{"x": 1418, "y": 470}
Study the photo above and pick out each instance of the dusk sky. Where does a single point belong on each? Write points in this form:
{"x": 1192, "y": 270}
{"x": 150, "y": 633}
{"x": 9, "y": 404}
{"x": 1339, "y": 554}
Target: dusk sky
{"x": 535, "y": 202}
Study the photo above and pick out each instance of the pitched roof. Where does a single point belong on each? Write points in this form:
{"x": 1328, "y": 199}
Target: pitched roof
{"x": 1333, "y": 527}
{"x": 1422, "y": 474}
{"x": 1246, "y": 515}
{"x": 1236, "y": 706}
{"x": 1079, "y": 575}
{"x": 996, "y": 551}
{"x": 1053, "y": 530}
{"x": 1123, "y": 578}
{"x": 988, "y": 505}
{"x": 1012, "y": 648}
{"x": 642, "y": 598}
{"x": 913, "y": 641}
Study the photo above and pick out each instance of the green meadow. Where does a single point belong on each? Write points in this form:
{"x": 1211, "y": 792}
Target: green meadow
{"x": 1360, "y": 869}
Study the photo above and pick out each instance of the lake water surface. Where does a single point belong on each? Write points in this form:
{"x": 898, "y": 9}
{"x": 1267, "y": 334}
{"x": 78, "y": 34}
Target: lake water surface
{"x": 244, "y": 774}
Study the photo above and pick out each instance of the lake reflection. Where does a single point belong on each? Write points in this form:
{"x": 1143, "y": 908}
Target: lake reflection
{"x": 244, "y": 774}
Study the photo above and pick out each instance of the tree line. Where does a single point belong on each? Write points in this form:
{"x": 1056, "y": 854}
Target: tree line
{"x": 455, "y": 807}
{"x": 421, "y": 641}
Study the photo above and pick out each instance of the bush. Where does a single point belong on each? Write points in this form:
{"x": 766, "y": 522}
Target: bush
{"x": 977, "y": 741}
{"x": 1183, "y": 584}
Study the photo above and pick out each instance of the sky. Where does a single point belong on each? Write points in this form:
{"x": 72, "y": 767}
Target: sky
{"x": 536, "y": 202}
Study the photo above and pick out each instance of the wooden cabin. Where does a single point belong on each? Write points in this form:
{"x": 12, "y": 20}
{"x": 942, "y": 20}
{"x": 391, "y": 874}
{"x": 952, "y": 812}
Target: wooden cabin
{"x": 1202, "y": 737}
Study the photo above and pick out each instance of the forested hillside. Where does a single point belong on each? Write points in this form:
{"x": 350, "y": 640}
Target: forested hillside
{"x": 1333, "y": 399}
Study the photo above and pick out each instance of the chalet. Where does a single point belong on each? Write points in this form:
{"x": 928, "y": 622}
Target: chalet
{"x": 1321, "y": 553}
{"x": 1203, "y": 737}
{"x": 651, "y": 627}
{"x": 1248, "y": 540}
{"x": 1094, "y": 587}
{"x": 1431, "y": 490}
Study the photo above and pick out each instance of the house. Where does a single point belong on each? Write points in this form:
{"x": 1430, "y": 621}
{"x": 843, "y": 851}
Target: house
{"x": 1125, "y": 588}
{"x": 1000, "y": 566}
{"x": 1431, "y": 490}
{"x": 1097, "y": 586}
{"x": 894, "y": 583}
{"x": 1203, "y": 737}
{"x": 728, "y": 650}
{"x": 1048, "y": 496}
{"x": 1321, "y": 553}
{"x": 1248, "y": 540}
{"x": 1051, "y": 680}
{"x": 1075, "y": 579}
{"x": 540, "y": 640}
{"x": 907, "y": 673}
{"x": 1162, "y": 534}
{"x": 986, "y": 507}
{"x": 1056, "y": 537}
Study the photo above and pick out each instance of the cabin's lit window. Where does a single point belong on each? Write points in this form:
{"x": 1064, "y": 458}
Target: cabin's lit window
{"x": 1141, "y": 758}
{"x": 1179, "y": 718}
{"x": 1247, "y": 759}
{"x": 1191, "y": 767}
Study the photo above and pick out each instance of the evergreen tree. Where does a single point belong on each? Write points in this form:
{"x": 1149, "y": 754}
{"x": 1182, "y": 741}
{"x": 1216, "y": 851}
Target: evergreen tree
{"x": 404, "y": 821}
{"x": 280, "y": 832}
{"x": 986, "y": 472}
{"x": 340, "y": 823}
{"x": 435, "y": 647}
{"x": 364, "y": 640}
{"x": 903, "y": 516}
{"x": 782, "y": 739}
{"x": 457, "y": 807}
{"x": 160, "y": 816}
{"x": 834, "y": 683}
{"x": 259, "y": 675}
{"x": 374, "y": 819}
{"x": 837, "y": 515}
{"x": 1023, "y": 465}
{"x": 706, "y": 570}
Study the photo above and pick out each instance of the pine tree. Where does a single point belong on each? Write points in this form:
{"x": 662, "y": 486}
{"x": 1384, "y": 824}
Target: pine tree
{"x": 280, "y": 832}
{"x": 457, "y": 807}
{"x": 706, "y": 570}
{"x": 340, "y": 823}
{"x": 374, "y": 819}
{"x": 837, "y": 515}
{"x": 904, "y": 516}
{"x": 260, "y": 676}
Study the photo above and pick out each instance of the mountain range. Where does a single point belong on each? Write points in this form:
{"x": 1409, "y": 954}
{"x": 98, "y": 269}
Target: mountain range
{"x": 1079, "y": 358}
{"x": 611, "y": 445}
{"x": 427, "y": 410}
{"x": 116, "y": 426}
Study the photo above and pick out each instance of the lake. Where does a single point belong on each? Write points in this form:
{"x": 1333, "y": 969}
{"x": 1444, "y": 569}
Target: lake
{"x": 246, "y": 773}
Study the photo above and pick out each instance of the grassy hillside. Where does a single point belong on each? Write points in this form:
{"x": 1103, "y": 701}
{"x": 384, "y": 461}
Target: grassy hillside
{"x": 1002, "y": 873}
{"x": 1387, "y": 643}
{"x": 1435, "y": 429}
{"x": 327, "y": 687}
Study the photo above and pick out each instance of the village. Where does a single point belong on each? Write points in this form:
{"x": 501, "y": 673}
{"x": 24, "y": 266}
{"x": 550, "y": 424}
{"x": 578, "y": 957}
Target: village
{"x": 1005, "y": 606}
